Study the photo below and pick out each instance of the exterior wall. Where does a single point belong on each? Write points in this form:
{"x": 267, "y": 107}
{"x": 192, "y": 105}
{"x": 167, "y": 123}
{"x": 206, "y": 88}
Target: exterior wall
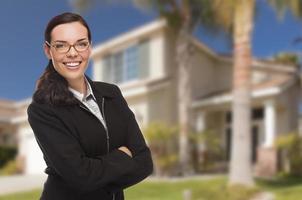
{"x": 204, "y": 75}
{"x": 97, "y": 69}
{"x": 160, "y": 107}
{"x": 139, "y": 106}
{"x": 288, "y": 111}
{"x": 29, "y": 151}
{"x": 154, "y": 105}
{"x": 157, "y": 55}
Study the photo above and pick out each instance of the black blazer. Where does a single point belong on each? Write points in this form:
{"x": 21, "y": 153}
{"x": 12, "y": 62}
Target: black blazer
{"x": 75, "y": 147}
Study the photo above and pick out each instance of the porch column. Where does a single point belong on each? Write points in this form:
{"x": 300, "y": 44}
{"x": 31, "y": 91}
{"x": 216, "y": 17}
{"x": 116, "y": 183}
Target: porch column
{"x": 267, "y": 155}
{"x": 200, "y": 122}
{"x": 200, "y": 126}
{"x": 270, "y": 123}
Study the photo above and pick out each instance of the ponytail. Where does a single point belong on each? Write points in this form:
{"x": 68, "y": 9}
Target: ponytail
{"x": 52, "y": 88}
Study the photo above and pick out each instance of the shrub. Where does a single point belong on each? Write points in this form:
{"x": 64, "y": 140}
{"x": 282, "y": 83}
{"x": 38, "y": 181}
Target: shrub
{"x": 290, "y": 147}
{"x": 162, "y": 140}
{"x": 10, "y": 168}
{"x": 208, "y": 151}
{"x": 7, "y": 153}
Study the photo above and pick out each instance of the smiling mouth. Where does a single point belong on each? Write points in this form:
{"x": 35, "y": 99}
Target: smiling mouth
{"x": 72, "y": 64}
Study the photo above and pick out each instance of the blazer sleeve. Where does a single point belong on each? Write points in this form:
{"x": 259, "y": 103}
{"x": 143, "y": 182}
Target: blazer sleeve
{"x": 140, "y": 151}
{"x": 63, "y": 152}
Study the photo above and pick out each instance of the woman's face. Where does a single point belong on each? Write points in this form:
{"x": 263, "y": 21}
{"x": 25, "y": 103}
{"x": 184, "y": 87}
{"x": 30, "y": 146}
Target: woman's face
{"x": 73, "y": 63}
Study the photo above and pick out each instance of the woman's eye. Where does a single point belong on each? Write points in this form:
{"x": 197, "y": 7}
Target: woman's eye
{"x": 59, "y": 46}
{"x": 82, "y": 44}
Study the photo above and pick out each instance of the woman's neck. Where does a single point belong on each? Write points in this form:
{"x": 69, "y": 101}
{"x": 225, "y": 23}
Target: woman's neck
{"x": 78, "y": 85}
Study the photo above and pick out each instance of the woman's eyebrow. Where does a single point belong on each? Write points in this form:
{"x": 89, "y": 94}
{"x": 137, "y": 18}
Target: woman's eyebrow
{"x": 63, "y": 41}
{"x": 82, "y": 39}
{"x": 60, "y": 41}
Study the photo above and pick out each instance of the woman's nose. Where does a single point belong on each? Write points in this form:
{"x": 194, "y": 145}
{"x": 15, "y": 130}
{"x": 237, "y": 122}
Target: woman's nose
{"x": 72, "y": 52}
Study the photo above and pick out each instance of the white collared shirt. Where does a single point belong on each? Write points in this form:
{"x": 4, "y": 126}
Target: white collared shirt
{"x": 89, "y": 101}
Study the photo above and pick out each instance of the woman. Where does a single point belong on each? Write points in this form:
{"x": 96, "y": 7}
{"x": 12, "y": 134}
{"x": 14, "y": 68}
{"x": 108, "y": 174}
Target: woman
{"x": 89, "y": 137}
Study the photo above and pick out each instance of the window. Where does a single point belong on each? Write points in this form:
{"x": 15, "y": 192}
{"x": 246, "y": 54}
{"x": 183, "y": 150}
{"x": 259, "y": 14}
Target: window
{"x": 129, "y": 64}
{"x": 256, "y": 114}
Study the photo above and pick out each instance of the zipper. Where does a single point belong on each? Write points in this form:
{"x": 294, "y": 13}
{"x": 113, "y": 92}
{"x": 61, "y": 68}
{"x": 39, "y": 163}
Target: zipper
{"x": 107, "y": 133}
{"x": 106, "y": 129}
{"x": 105, "y": 126}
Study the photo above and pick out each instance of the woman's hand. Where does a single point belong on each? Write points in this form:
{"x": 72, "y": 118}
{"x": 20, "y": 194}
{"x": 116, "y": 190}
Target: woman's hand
{"x": 126, "y": 150}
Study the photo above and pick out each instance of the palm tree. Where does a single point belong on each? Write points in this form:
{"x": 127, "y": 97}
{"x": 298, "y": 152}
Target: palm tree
{"x": 240, "y": 165}
{"x": 239, "y": 16}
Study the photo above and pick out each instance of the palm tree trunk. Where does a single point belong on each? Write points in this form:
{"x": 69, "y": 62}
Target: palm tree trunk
{"x": 241, "y": 166}
{"x": 184, "y": 98}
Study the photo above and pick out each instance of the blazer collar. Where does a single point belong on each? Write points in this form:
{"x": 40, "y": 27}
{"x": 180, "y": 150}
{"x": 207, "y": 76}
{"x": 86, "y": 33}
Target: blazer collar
{"x": 101, "y": 90}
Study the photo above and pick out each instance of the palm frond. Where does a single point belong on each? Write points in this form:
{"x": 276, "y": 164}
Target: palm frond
{"x": 282, "y": 6}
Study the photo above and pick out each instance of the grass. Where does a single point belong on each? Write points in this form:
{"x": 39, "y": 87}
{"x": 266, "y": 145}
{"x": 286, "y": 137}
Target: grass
{"x": 30, "y": 195}
{"x": 285, "y": 188}
{"x": 289, "y": 188}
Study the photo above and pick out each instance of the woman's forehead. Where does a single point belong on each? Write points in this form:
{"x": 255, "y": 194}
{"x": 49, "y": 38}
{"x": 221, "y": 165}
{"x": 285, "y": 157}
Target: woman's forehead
{"x": 69, "y": 32}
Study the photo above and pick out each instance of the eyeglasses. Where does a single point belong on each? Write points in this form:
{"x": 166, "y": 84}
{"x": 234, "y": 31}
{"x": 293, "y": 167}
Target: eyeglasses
{"x": 64, "y": 47}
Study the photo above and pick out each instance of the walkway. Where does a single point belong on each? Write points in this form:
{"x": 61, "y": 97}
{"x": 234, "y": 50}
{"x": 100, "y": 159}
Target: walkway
{"x": 20, "y": 183}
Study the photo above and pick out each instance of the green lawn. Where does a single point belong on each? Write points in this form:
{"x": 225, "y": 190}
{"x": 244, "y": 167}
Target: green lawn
{"x": 285, "y": 189}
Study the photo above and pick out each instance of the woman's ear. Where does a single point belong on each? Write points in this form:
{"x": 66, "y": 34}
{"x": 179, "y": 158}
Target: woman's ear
{"x": 47, "y": 51}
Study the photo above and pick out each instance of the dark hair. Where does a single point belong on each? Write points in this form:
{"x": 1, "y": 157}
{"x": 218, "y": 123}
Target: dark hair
{"x": 51, "y": 87}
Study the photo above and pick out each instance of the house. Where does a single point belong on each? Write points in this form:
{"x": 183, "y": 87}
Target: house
{"x": 15, "y": 131}
{"x": 142, "y": 63}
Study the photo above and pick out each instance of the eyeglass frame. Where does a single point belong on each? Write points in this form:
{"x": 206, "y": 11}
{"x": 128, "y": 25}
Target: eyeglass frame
{"x": 70, "y": 45}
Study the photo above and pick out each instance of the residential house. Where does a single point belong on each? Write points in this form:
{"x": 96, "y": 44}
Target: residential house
{"x": 142, "y": 63}
{"x": 15, "y": 131}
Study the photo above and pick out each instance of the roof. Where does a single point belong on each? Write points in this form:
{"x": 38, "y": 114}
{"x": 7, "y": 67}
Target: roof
{"x": 133, "y": 35}
{"x": 271, "y": 87}
{"x": 13, "y": 111}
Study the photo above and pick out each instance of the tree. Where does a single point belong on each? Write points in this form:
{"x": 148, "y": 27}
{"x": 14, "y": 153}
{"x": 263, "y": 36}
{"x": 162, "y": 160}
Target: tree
{"x": 238, "y": 15}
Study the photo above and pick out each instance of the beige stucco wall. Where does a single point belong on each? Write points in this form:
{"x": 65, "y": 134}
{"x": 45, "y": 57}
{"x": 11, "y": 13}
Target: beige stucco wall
{"x": 160, "y": 106}
{"x": 139, "y": 106}
{"x": 97, "y": 69}
{"x": 30, "y": 151}
{"x": 288, "y": 110}
{"x": 205, "y": 73}
{"x": 157, "y": 55}
{"x": 154, "y": 105}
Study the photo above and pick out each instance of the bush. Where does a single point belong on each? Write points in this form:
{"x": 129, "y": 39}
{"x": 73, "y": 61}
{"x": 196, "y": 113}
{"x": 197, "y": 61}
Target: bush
{"x": 7, "y": 153}
{"x": 10, "y": 168}
{"x": 208, "y": 151}
{"x": 163, "y": 142}
{"x": 290, "y": 148}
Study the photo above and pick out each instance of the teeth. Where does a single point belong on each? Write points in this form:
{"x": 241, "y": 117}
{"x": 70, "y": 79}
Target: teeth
{"x": 72, "y": 64}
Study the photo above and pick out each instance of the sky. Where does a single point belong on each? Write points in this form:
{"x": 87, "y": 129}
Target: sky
{"x": 23, "y": 22}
